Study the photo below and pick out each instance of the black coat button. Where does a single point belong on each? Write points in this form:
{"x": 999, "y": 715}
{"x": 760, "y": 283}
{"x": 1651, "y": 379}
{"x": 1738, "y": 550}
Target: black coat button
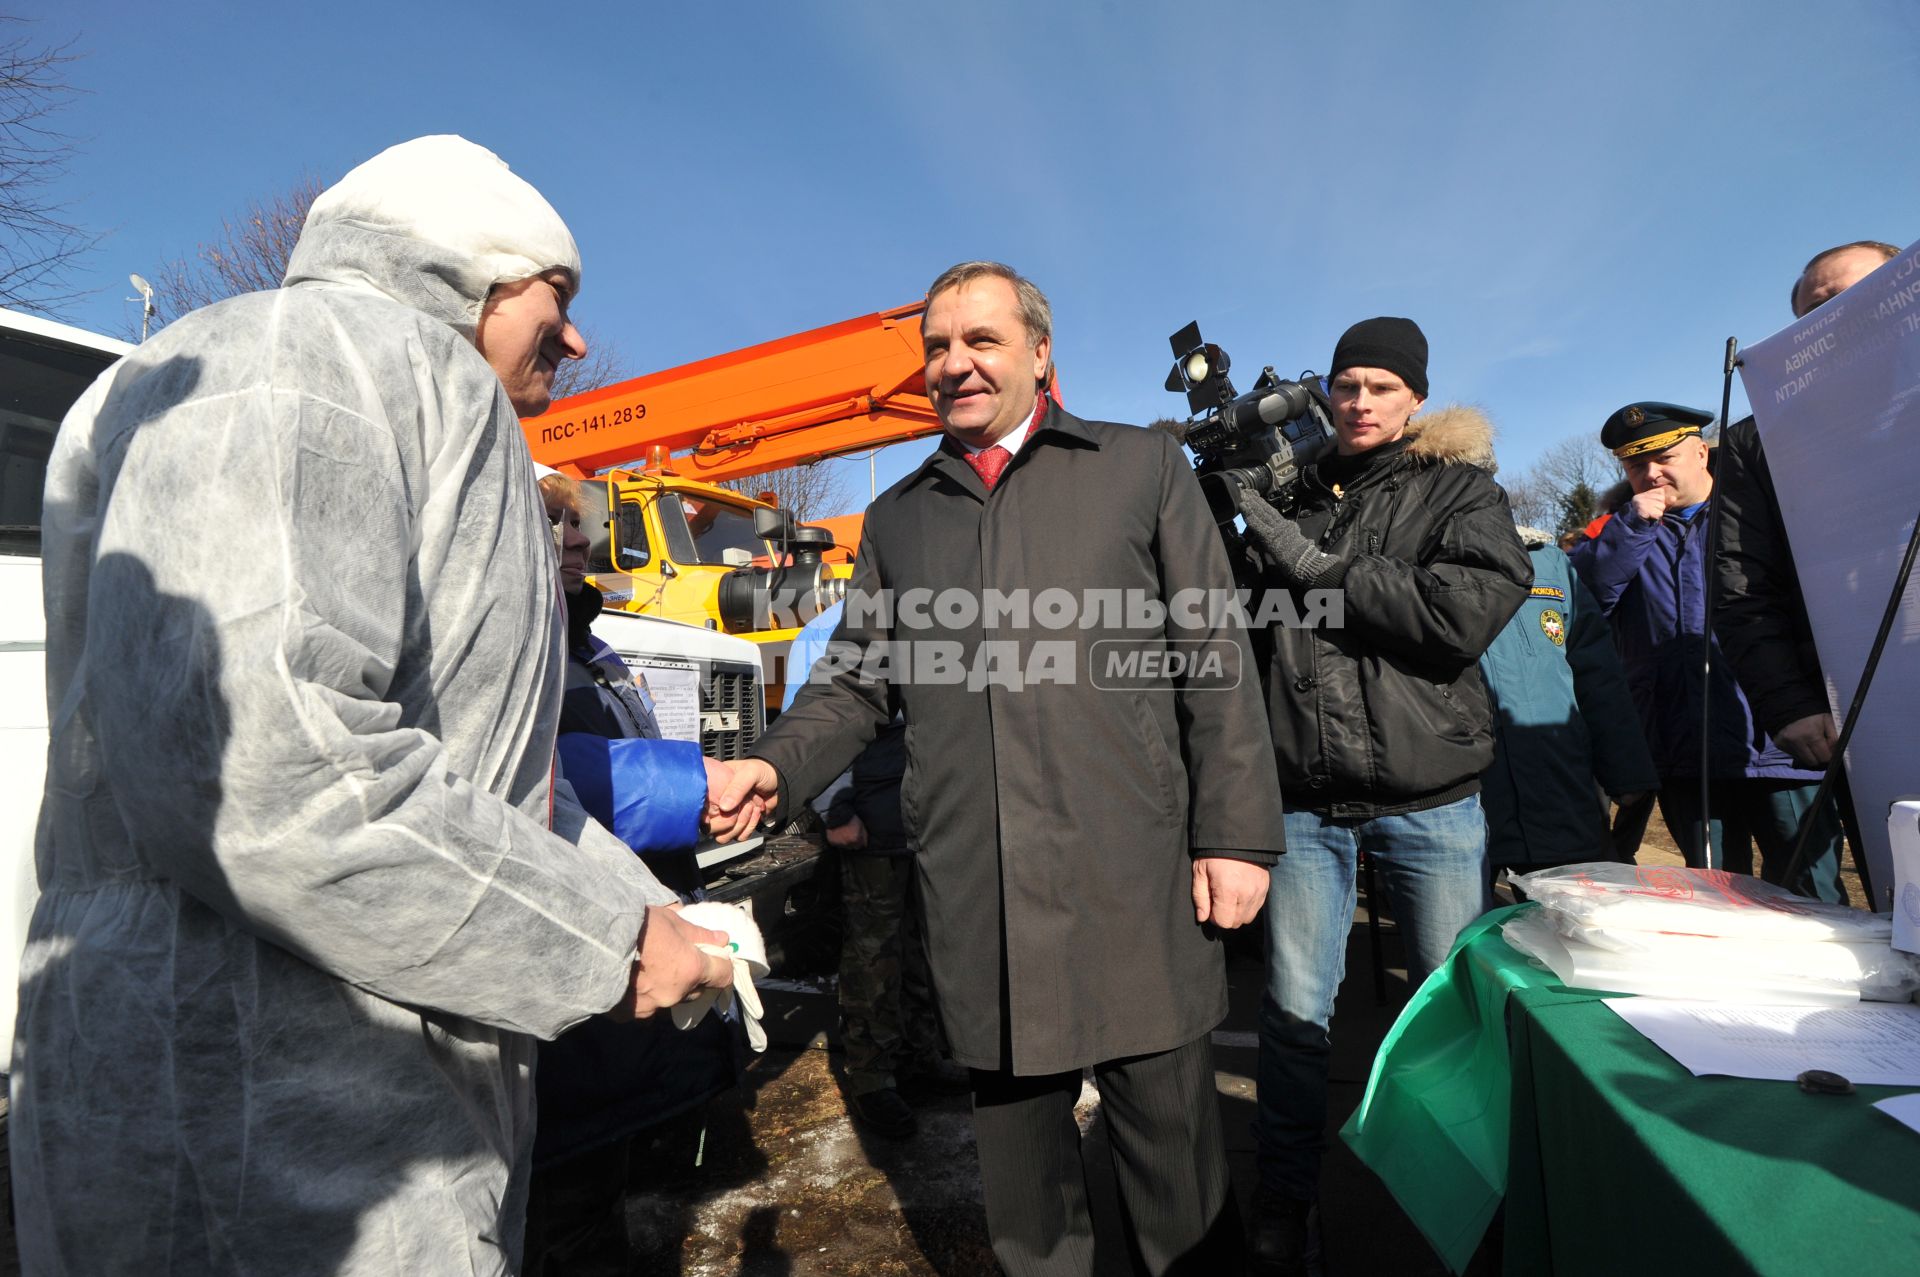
{"x": 1303, "y": 684}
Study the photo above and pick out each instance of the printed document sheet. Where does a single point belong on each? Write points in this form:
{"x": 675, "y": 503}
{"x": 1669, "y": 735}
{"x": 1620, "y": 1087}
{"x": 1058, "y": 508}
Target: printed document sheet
{"x": 1871, "y": 1043}
{"x": 1904, "y": 1109}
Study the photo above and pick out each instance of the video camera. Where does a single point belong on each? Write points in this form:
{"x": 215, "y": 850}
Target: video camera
{"x": 1251, "y": 445}
{"x": 792, "y": 591}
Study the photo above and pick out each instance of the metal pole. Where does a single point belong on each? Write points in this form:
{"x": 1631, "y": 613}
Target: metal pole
{"x": 1706, "y": 646}
{"x": 141, "y": 286}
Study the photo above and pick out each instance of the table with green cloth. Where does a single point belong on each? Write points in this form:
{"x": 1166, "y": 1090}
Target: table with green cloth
{"x": 1497, "y": 1080}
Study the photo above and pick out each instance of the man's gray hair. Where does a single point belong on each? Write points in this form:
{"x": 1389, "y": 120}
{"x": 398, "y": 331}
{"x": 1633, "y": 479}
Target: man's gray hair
{"x": 1035, "y": 312}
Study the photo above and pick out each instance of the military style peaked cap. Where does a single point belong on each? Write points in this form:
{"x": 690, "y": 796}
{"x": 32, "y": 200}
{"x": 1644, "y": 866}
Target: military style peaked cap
{"x": 1650, "y": 427}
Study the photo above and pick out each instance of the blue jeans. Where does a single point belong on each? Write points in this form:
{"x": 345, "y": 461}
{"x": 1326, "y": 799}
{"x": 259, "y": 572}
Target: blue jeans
{"x": 1433, "y": 864}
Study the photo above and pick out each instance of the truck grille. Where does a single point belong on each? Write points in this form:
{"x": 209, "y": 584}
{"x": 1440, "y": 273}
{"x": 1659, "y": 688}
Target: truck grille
{"x": 730, "y": 709}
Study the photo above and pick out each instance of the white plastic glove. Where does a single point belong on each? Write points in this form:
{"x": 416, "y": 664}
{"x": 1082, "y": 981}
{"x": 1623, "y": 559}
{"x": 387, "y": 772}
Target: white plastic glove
{"x": 748, "y": 951}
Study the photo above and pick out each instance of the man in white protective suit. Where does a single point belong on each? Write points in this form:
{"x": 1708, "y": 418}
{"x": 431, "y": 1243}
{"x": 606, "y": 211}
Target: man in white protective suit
{"x": 309, "y": 890}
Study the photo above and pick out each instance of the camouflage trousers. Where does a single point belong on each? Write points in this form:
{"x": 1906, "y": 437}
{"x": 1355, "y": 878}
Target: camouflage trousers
{"x": 887, "y": 1024}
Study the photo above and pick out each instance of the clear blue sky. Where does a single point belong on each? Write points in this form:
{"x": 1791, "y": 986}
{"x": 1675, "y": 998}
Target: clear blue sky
{"x": 1579, "y": 203}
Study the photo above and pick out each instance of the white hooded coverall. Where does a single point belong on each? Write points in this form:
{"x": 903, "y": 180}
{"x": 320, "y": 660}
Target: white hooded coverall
{"x": 302, "y": 914}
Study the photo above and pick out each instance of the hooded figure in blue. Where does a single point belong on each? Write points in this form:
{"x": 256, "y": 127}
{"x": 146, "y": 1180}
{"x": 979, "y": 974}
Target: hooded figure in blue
{"x": 1562, "y": 737}
{"x": 1647, "y": 568}
{"x": 309, "y": 891}
{"x": 602, "y": 1083}
{"x": 648, "y": 790}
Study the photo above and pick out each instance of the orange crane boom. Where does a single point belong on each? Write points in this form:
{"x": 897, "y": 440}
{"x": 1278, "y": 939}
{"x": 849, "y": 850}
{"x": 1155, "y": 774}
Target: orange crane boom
{"x": 843, "y": 388}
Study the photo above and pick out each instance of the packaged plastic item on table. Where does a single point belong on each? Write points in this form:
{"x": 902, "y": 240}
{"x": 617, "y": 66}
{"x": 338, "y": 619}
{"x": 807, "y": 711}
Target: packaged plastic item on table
{"x": 1701, "y": 902}
{"x": 1903, "y": 836}
{"x": 1719, "y": 968}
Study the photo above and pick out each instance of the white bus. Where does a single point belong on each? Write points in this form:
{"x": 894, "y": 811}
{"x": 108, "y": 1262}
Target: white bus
{"x": 44, "y": 367}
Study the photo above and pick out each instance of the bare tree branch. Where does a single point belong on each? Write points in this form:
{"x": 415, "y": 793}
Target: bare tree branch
{"x": 811, "y": 492}
{"x": 604, "y": 365}
{"x": 1578, "y": 459}
{"x": 1561, "y": 491}
{"x": 1534, "y": 502}
{"x": 249, "y": 256}
{"x": 38, "y": 245}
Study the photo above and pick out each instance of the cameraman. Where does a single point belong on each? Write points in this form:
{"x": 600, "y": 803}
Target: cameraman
{"x": 1380, "y": 721}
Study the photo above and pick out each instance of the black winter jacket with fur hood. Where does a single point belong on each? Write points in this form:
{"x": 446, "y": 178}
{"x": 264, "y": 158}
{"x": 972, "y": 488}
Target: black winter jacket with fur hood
{"x": 1385, "y": 712}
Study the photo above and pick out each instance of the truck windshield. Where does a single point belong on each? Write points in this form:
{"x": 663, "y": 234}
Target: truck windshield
{"x": 593, "y": 522}
{"x": 39, "y": 380}
{"x": 713, "y": 528}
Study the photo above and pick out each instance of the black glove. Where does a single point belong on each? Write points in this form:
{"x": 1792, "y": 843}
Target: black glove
{"x": 1281, "y": 544}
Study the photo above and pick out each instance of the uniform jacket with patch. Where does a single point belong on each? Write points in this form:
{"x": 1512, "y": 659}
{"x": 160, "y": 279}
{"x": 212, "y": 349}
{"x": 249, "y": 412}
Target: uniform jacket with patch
{"x": 1385, "y": 712}
{"x": 1562, "y": 730}
{"x": 1055, "y": 822}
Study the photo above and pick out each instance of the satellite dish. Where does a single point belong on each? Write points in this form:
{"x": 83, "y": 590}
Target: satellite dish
{"x": 141, "y": 286}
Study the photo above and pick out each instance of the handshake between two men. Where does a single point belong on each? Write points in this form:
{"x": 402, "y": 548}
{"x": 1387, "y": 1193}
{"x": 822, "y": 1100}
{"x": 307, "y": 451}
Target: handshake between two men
{"x": 1227, "y": 893}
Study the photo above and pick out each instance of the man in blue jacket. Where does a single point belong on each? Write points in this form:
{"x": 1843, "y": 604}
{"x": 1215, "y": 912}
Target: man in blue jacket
{"x": 1648, "y": 569}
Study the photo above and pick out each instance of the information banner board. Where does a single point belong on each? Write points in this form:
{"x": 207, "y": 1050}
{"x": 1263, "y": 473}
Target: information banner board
{"x": 1836, "y": 398}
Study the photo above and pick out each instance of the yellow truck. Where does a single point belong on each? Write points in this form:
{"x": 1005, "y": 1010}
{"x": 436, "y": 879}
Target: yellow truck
{"x": 651, "y": 454}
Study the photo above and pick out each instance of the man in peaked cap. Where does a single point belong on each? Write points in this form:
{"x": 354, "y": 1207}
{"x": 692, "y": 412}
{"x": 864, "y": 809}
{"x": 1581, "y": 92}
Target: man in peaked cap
{"x": 1648, "y": 568}
{"x": 1643, "y": 429}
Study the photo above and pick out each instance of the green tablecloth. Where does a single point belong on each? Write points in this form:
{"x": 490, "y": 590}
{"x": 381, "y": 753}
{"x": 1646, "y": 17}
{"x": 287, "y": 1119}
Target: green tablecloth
{"x": 1619, "y": 1161}
{"x": 1623, "y": 1162}
{"x": 1433, "y": 1122}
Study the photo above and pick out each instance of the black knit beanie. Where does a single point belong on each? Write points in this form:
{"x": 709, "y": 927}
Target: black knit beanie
{"x": 1387, "y": 342}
